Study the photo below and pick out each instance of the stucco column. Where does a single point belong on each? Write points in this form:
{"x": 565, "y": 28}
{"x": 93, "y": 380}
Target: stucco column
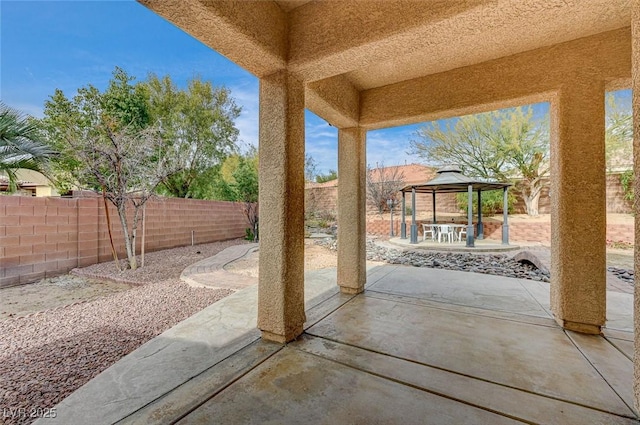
{"x": 352, "y": 210}
{"x": 578, "y": 206}
{"x": 635, "y": 102}
{"x": 281, "y": 313}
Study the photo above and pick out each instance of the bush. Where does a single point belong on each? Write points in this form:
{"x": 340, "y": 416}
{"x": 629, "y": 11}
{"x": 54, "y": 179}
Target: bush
{"x": 626, "y": 180}
{"x": 492, "y": 202}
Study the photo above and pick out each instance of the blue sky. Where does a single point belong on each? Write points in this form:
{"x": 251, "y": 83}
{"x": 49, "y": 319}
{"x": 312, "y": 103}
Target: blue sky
{"x": 46, "y": 45}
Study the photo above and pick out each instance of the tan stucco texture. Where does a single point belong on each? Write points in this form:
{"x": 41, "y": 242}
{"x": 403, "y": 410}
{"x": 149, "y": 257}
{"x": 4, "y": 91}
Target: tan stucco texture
{"x": 578, "y": 207}
{"x": 281, "y": 313}
{"x": 352, "y": 212}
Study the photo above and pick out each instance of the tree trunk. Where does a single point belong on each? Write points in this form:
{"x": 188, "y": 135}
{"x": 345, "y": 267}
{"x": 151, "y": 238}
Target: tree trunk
{"x": 122, "y": 212}
{"x": 532, "y": 197}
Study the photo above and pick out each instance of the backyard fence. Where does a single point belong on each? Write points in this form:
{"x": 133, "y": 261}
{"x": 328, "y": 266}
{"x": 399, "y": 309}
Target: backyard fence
{"x": 44, "y": 237}
{"x": 519, "y": 231}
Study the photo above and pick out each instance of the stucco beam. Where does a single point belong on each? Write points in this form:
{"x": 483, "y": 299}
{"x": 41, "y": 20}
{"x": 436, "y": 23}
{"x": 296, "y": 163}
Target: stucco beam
{"x": 335, "y": 100}
{"x": 325, "y": 40}
{"x": 498, "y": 83}
{"x": 251, "y": 34}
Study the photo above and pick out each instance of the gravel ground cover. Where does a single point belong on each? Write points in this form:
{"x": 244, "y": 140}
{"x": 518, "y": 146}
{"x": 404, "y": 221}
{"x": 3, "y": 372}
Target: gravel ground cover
{"x": 46, "y": 356}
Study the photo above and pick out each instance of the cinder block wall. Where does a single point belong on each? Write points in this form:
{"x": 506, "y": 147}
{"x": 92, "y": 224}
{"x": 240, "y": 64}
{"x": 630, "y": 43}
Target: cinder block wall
{"x": 44, "y": 237}
{"x": 325, "y": 198}
{"x": 518, "y": 231}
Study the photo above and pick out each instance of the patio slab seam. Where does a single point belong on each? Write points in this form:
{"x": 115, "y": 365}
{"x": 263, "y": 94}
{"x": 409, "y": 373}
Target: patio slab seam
{"x": 572, "y": 337}
{"x": 548, "y": 310}
{"x": 302, "y": 347}
{"x": 156, "y": 412}
{"x": 402, "y": 382}
{"x": 461, "y": 308}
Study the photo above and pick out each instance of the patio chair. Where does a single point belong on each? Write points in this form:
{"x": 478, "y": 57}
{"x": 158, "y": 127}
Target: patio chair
{"x": 447, "y": 232}
{"x": 428, "y": 229}
{"x": 463, "y": 230}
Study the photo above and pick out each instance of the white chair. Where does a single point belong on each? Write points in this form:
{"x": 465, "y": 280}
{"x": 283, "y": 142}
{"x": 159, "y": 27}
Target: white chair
{"x": 428, "y": 229}
{"x": 447, "y": 232}
{"x": 463, "y": 230}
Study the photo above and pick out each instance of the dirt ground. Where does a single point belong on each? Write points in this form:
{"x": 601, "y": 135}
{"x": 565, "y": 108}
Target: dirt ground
{"x": 315, "y": 257}
{"x": 51, "y": 293}
{"x": 54, "y": 292}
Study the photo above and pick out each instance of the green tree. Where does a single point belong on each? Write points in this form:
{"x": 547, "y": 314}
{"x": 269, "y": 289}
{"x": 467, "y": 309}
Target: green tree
{"x": 197, "y": 125}
{"x": 323, "y": 178}
{"x": 501, "y": 145}
{"x": 107, "y": 145}
{"x": 618, "y": 139}
{"x": 20, "y": 145}
{"x": 238, "y": 182}
{"x": 618, "y": 134}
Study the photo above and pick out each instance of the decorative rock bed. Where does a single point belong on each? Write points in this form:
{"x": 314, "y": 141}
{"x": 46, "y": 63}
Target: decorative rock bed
{"x": 495, "y": 264}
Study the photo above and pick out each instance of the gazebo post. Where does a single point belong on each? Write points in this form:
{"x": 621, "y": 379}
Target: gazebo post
{"x": 403, "y": 225}
{"x": 480, "y": 225}
{"x": 434, "y": 206}
{"x": 470, "y": 242}
{"x": 505, "y": 214}
{"x": 414, "y": 225}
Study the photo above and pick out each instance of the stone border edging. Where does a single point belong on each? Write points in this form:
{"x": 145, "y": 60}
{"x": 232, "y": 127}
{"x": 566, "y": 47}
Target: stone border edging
{"x": 210, "y": 272}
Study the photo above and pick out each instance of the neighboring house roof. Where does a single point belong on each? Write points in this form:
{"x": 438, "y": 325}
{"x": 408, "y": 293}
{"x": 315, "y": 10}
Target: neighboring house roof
{"x": 412, "y": 173}
{"x": 330, "y": 183}
{"x": 28, "y": 180}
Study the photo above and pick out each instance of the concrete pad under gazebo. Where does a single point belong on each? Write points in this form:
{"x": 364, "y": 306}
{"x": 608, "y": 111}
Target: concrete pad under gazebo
{"x": 451, "y": 180}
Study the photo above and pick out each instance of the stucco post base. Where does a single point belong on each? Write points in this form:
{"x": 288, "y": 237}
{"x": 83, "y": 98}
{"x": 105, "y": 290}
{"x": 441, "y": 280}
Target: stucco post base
{"x": 578, "y": 207}
{"x": 351, "y": 291}
{"x": 584, "y": 328}
{"x": 282, "y": 339}
{"x": 281, "y": 314}
{"x": 352, "y": 242}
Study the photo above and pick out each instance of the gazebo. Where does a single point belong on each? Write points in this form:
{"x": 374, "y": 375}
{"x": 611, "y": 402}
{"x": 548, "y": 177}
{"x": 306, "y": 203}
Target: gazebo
{"x": 451, "y": 180}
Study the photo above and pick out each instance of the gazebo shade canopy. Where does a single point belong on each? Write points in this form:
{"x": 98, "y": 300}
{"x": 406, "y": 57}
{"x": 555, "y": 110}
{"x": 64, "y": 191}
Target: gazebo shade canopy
{"x": 451, "y": 180}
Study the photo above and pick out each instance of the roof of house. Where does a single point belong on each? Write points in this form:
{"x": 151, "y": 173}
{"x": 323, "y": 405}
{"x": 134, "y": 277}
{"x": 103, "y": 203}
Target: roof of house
{"x": 410, "y": 173}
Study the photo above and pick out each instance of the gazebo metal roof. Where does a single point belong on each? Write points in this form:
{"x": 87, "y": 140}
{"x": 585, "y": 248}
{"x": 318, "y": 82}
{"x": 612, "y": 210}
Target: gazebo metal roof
{"x": 450, "y": 180}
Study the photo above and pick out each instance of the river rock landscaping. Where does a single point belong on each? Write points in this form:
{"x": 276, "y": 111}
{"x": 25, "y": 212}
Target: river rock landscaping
{"x": 495, "y": 264}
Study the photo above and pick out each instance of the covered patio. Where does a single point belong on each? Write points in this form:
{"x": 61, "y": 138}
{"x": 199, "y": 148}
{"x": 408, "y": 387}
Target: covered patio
{"x": 376, "y": 64}
{"x": 418, "y": 346}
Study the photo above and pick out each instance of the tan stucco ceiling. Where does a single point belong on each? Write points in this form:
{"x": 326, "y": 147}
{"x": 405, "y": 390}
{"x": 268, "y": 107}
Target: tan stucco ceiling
{"x": 343, "y": 49}
{"x": 288, "y": 5}
{"x": 492, "y": 31}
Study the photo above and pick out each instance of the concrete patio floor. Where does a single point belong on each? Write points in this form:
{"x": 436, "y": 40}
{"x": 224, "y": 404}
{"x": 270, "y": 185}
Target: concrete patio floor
{"x": 420, "y": 346}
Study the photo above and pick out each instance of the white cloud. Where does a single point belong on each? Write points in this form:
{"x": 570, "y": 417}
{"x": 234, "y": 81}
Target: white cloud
{"x": 390, "y": 146}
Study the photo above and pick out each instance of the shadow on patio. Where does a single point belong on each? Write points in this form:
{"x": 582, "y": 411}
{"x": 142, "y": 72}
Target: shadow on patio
{"x": 420, "y": 346}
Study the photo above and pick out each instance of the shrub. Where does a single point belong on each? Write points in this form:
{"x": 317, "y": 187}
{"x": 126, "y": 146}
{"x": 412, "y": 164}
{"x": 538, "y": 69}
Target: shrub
{"x": 492, "y": 202}
{"x": 626, "y": 180}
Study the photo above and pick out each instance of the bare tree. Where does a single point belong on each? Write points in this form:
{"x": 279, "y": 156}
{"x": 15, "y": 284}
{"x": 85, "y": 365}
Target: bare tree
{"x": 384, "y": 183}
{"x": 126, "y": 166}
